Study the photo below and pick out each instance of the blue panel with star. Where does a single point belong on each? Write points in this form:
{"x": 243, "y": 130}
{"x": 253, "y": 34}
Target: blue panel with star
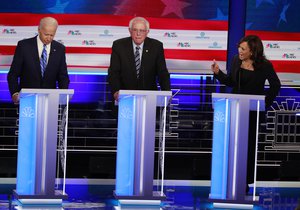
{"x": 265, "y": 15}
{"x": 273, "y": 15}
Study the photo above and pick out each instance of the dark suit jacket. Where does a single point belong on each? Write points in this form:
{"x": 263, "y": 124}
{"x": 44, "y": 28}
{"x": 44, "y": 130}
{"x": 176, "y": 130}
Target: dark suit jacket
{"x": 122, "y": 71}
{"x": 263, "y": 71}
{"x": 25, "y": 70}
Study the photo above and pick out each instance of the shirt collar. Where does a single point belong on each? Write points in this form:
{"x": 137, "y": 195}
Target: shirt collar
{"x": 41, "y": 44}
{"x": 135, "y": 45}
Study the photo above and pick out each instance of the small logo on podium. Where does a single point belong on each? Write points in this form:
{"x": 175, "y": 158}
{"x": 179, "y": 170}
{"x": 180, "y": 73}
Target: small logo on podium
{"x": 126, "y": 113}
{"x": 219, "y": 117}
{"x": 27, "y": 112}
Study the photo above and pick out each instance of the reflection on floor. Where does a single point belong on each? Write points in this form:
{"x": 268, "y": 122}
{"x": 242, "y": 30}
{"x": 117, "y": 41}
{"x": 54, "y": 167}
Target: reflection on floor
{"x": 95, "y": 196}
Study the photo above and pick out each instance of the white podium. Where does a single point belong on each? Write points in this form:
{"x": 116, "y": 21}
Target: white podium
{"x": 136, "y": 142}
{"x": 37, "y": 144}
{"x": 230, "y": 148}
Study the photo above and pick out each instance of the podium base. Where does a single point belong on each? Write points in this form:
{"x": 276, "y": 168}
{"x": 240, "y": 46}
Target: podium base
{"x": 246, "y": 203}
{"x": 55, "y": 199}
{"x": 155, "y": 199}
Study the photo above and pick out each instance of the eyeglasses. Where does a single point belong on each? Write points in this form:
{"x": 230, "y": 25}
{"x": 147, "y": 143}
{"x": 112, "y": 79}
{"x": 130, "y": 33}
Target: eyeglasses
{"x": 140, "y": 31}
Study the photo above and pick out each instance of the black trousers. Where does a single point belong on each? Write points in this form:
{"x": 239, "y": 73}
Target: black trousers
{"x": 252, "y": 143}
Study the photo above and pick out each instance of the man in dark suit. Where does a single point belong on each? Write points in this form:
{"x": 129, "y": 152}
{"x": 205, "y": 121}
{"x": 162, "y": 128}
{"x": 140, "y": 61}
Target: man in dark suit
{"x": 27, "y": 69}
{"x": 137, "y": 62}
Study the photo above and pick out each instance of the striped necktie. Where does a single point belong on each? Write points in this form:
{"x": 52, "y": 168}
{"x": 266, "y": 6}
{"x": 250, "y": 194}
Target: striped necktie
{"x": 43, "y": 61}
{"x": 137, "y": 60}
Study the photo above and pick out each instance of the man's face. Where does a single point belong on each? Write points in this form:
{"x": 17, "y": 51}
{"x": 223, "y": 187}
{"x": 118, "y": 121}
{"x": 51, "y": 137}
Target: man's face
{"x": 47, "y": 33}
{"x": 138, "y": 32}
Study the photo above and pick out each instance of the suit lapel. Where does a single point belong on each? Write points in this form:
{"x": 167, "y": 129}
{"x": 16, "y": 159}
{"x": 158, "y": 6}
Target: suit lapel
{"x": 51, "y": 54}
{"x": 130, "y": 54}
{"x": 237, "y": 70}
{"x": 36, "y": 57}
{"x": 146, "y": 50}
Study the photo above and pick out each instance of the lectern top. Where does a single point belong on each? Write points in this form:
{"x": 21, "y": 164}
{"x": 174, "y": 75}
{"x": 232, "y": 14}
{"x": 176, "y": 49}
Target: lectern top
{"x": 26, "y": 91}
{"x": 158, "y": 97}
{"x": 249, "y": 99}
{"x": 237, "y": 96}
{"x": 145, "y": 92}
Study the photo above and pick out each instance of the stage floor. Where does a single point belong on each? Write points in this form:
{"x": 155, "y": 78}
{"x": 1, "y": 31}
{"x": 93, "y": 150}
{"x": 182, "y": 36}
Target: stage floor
{"x": 181, "y": 195}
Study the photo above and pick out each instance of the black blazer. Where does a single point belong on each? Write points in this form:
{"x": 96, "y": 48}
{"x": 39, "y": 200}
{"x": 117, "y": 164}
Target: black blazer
{"x": 263, "y": 71}
{"x": 122, "y": 71}
{"x": 25, "y": 70}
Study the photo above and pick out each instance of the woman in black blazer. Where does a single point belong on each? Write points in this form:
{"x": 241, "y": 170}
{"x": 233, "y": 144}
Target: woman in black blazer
{"x": 248, "y": 73}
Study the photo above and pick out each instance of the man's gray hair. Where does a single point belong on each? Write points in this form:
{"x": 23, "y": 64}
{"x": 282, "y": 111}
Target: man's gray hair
{"x": 48, "y": 21}
{"x": 139, "y": 19}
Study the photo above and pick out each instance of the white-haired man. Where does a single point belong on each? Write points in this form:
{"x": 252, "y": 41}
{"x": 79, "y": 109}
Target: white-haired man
{"x": 137, "y": 62}
{"x": 39, "y": 62}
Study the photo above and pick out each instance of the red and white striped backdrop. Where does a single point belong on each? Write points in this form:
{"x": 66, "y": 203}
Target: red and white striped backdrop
{"x": 190, "y": 45}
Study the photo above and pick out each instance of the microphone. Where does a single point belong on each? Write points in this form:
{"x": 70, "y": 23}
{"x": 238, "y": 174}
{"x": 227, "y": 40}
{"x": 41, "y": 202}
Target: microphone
{"x": 141, "y": 80}
{"x": 239, "y": 80}
{"x": 143, "y": 75}
{"x": 171, "y": 98}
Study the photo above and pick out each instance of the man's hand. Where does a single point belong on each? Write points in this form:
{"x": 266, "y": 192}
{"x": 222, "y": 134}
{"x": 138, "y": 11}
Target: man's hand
{"x": 116, "y": 96}
{"x": 16, "y": 98}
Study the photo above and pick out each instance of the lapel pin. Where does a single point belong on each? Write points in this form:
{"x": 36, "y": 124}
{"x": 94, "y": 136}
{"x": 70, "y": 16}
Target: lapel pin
{"x": 146, "y": 50}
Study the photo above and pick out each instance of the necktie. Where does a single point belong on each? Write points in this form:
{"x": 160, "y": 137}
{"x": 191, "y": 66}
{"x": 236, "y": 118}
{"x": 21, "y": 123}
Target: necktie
{"x": 137, "y": 61}
{"x": 43, "y": 61}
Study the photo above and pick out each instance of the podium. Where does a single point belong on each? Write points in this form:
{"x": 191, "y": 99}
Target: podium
{"x": 230, "y": 149}
{"x": 37, "y": 144}
{"x": 135, "y": 146}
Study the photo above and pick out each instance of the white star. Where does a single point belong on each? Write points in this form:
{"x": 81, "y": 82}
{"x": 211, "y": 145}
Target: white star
{"x": 282, "y": 16}
{"x": 220, "y": 15}
{"x": 119, "y": 8}
{"x": 174, "y": 6}
{"x": 248, "y": 25}
{"x": 58, "y": 7}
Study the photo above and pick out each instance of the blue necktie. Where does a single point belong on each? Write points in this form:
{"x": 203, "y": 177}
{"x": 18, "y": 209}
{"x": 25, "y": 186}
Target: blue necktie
{"x": 137, "y": 60}
{"x": 43, "y": 61}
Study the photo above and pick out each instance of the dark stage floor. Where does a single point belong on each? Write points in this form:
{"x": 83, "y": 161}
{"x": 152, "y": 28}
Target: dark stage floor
{"x": 181, "y": 195}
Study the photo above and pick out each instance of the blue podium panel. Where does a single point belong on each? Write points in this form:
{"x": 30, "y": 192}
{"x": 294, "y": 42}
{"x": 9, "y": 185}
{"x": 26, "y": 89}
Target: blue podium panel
{"x": 26, "y": 168}
{"x": 136, "y": 141}
{"x": 126, "y": 146}
{"x": 230, "y": 146}
{"x": 37, "y": 143}
{"x": 220, "y": 149}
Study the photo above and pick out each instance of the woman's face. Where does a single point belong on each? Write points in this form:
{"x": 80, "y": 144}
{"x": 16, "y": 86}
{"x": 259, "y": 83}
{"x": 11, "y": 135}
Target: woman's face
{"x": 244, "y": 51}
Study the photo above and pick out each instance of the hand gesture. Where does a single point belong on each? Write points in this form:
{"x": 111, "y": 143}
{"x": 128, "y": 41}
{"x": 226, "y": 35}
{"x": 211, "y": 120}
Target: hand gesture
{"x": 215, "y": 67}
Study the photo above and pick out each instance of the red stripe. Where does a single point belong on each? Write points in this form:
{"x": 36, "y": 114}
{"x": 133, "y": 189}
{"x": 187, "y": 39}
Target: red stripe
{"x": 286, "y": 66}
{"x": 10, "y": 50}
{"x": 169, "y": 53}
{"x": 7, "y": 50}
{"x": 276, "y": 36}
{"x": 186, "y": 24}
{"x": 79, "y": 66}
{"x": 90, "y": 50}
{"x": 28, "y": 19}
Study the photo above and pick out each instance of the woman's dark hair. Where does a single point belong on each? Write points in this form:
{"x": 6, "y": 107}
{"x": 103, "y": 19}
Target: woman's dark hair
{"x": 256, "y": 47}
